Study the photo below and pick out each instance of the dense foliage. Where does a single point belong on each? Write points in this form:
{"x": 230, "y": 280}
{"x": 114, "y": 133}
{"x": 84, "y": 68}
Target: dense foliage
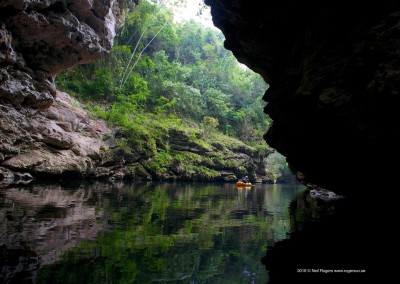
{"x": 184, "y": 72}
{"x": 163, "y": 75}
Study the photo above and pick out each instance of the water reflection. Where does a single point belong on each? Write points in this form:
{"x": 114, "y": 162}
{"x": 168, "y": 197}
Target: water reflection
{"x": 108, "y": 233}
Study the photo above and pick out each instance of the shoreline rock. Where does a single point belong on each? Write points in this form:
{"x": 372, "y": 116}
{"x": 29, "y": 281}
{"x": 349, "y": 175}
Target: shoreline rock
{"x": 324, "y": 194}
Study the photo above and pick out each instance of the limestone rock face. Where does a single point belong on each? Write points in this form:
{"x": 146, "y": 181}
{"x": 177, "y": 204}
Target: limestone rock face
{"x": 41, "y": 130}
{"x": 193, "y": 159}
{"x": 61, "y": 140}
{"x": 38, "y": 39}
{"x": 333, "y": 70}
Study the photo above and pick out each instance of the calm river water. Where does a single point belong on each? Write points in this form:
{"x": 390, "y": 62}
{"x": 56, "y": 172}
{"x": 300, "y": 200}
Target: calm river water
{"x": 140, "y": 233}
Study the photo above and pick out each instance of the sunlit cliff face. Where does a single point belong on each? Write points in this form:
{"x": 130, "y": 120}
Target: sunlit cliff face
{"x": 334, "y": 85}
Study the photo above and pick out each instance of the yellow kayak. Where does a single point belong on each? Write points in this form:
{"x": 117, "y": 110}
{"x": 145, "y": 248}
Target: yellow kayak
{"x": 241, "y": 183}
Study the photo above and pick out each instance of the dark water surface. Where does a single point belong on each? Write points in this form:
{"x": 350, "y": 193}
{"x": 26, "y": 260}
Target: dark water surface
{"x": 141, "y": 233}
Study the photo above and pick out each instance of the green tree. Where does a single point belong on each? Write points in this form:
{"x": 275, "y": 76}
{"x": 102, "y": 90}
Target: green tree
{"x": 209, "y": 124}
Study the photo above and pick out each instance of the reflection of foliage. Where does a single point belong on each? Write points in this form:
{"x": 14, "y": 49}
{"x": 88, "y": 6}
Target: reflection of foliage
{"x": 167, "y": 233}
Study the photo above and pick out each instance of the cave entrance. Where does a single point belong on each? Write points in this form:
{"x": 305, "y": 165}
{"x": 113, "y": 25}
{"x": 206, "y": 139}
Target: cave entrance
{"x": 177, "y": 95}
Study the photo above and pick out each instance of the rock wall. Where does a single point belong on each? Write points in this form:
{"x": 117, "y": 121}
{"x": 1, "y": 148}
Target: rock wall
{"x": 333, "y": 70}
{"x": 59, "y": 140}
{"x": 42, "y": 131}
{"x": 332, "y": 67}
{"x": 38, "y": 39}
{"x": 180, "y": 156}
{"x": 63, "y": 140}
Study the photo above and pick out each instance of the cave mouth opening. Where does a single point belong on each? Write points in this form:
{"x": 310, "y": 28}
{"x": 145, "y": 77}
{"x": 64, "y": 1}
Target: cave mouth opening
{"x": 200, "y": 12}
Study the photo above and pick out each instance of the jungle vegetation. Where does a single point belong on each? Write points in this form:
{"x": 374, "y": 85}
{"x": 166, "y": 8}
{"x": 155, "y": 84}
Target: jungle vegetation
{"x": 164, "y": 76}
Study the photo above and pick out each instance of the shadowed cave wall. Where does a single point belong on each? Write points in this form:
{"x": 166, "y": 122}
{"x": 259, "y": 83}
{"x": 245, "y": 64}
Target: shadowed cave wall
{"x": 333, "y": 70}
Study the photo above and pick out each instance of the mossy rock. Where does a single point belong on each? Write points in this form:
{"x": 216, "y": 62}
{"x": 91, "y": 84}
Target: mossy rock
{"x": 200, "y": 173}
{"x": 218, "y": 145}
{"x": 137, "y": 171}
